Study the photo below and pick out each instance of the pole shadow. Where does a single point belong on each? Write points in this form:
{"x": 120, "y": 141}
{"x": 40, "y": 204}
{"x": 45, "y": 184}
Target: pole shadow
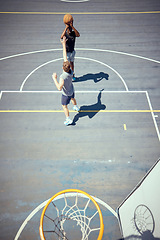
{"x": 97, "y": 77}
{"x": 89, "y": 110}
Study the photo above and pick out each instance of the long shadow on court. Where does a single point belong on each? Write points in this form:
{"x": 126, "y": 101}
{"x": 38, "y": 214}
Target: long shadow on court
{"x": 97, "y": 77}
{"x": 90, "y": 110}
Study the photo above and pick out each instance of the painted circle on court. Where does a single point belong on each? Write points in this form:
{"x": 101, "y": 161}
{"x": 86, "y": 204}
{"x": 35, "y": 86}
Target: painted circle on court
{"x": 79, "y": 49}
{"x": 83, "y": 58}
{"x": 82, "y": 49}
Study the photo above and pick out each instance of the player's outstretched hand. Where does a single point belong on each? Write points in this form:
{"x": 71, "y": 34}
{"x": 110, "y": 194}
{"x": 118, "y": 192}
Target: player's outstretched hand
{"x": 71, "y": 24}
{"x": 54, "y": 75}
{"x": 67, "y": 26}
{"x": 63, "y": 40}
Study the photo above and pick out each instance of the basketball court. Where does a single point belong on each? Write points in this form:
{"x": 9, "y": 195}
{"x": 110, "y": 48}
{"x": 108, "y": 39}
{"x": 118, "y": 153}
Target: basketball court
{"x": 113, "y": 141}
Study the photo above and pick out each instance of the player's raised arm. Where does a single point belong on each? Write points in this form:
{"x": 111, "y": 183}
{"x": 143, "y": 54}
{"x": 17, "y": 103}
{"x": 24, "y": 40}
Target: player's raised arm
{"x": 64, "y": 32}
{"x": 64, "y": 49}
{"x": 75, "y": 30}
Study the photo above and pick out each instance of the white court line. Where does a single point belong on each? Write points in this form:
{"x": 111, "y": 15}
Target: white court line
{"x": 84, "y": 58}
{"x": 1, "y": 94}
{"x": 78, "y": 91}
{"x": 81, "y": 91}
{"x": 74, "y": 1}
{"x": 122, "y": 53}
{"x": 21, "y": 88}
{"x": 57, "y": 198}
{"x": 81, "y": 49}
{"x": 28, "y": 53}
{"x": 125, "y": 85}
{"x": 153, "y": 117}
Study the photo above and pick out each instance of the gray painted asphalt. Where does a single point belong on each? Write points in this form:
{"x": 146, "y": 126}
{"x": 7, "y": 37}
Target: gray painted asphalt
{"x": 97, "y": 154}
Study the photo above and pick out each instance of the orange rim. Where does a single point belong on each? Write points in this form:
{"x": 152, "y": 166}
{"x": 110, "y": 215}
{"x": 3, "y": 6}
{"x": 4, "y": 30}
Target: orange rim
{"x": 76, "y": 191}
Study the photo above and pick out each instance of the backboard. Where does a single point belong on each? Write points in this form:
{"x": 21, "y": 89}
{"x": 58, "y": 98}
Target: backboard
{"x": 139, "y": 213}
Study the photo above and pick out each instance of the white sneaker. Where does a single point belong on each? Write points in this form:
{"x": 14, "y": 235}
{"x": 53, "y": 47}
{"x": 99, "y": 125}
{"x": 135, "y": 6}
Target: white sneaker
{"x": 76, "y": 108}
{"x": 67, "y": 122}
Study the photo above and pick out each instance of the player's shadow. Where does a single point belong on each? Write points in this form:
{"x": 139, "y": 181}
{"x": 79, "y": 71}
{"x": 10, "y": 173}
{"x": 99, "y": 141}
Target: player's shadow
{"x": 90, "y": 110}
{"x": 97, "y": 77}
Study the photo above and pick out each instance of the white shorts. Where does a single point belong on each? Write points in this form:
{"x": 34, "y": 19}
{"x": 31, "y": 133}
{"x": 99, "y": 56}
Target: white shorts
{"x": 71, "y": 55}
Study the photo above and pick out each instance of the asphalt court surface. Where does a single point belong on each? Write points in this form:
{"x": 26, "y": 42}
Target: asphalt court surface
{"x": 112, "y": 142}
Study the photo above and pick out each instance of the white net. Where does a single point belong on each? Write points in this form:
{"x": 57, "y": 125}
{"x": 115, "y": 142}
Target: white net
{"x": 60, "y": 214}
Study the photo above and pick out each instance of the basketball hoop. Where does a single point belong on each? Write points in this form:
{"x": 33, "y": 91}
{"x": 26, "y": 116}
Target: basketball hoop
{"x": 71, "y": 205}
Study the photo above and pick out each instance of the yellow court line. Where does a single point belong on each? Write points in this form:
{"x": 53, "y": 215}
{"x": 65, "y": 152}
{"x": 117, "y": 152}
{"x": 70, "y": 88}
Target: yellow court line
{"x": 81, "y": 13}
{"x": 59, "y": 111}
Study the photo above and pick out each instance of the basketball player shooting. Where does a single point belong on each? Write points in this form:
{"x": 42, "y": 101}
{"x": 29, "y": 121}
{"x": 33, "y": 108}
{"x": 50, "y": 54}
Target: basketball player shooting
{"x": 70, "y": 32}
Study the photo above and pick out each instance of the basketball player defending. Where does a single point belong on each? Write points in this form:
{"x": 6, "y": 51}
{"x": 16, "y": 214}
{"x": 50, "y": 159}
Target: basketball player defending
{"x": 65, "y": 84}
{"x": 71, "y": 33}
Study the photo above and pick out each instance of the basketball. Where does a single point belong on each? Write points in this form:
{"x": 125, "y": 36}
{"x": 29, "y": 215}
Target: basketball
{"x": 67, "y": 19}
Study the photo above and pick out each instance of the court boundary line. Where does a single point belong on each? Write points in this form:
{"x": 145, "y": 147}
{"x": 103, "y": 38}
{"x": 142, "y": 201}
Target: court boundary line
{"x": 126, "y": 92}
{"x": 153, "y": 116}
